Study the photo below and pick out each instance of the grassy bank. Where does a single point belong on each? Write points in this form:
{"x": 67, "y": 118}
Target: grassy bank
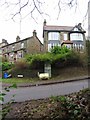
{"x": 57, "y": 74}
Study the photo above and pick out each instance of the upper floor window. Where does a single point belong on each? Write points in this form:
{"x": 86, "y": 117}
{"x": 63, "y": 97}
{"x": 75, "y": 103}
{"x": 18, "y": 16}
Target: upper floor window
{"x": 13, "y": 47}
{"x": 20, "y": 54}
{"x": 76, "y": 36}
{"x": 22, "y": 45}
{"x": 53, "y": 36}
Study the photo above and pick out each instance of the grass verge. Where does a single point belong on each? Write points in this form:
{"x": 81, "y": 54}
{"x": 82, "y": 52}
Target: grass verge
{"x": 59, "y": 74}
{"x": 18, "y": 80}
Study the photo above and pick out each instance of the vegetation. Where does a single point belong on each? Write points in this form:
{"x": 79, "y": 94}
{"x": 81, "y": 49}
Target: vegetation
{"x": 18, "y": 80}
{"x": 21, "y": 64}
{"x": 74, "y": 106}
{"x": 6, "y": 109}
{"x": 59, "y": 50}
{"x": 60, "y": 55}
{"x": 6, "y": 66}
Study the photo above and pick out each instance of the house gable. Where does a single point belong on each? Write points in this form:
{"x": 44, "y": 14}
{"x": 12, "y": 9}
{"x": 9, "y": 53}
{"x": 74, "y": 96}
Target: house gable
{"x": 78, "y": 28}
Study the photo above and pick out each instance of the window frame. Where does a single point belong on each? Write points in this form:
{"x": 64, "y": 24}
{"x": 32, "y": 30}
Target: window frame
{"x": 78, "y": 36}
{"x": 53, "y": 36}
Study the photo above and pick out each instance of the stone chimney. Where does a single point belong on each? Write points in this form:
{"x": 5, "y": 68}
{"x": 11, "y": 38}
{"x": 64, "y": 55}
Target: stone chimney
{"x": 17, "y": 38}
{"x": 34, "y": 33}
{"x": 44, "y": 23}
{"x": 4, "y": 41}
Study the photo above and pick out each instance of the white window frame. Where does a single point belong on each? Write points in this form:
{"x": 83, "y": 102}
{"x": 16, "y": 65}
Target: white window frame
{"x": 22, "y": 45}
{"x": 51, "y": 45}
{"x": 76, "y": 36}
{"x": 53, "y": 36}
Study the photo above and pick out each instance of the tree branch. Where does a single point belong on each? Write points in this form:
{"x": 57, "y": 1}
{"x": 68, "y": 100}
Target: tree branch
{"x": 59, "y": 8}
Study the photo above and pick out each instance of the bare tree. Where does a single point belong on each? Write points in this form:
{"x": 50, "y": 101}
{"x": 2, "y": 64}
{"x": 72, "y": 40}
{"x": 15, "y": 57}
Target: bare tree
{"x": 31, "y": 6}
{"x": 21, "y": 9}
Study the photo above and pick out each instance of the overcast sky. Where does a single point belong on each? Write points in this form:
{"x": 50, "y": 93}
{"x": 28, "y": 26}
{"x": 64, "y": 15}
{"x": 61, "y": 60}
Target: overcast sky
{"x": 68, "y": 17}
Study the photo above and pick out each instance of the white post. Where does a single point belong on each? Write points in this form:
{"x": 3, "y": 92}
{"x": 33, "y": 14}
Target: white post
{"x": 47, "y": 68}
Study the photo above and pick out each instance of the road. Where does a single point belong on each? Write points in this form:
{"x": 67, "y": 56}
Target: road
{"x": 44, "y": 91}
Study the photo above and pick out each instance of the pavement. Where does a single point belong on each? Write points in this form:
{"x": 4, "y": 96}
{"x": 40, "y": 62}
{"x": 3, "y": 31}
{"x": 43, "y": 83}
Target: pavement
{"x": 48, "y": 82}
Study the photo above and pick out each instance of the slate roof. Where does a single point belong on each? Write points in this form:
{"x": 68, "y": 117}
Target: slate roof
{"x": 57, "y": 28}
{"x": 54, "y": 28}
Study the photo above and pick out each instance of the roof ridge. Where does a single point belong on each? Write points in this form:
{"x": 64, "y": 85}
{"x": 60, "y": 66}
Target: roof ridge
{"x": 56, "y": 26}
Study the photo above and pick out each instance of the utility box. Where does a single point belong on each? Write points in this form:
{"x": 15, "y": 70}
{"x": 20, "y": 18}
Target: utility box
{"x": 47, "y": 68}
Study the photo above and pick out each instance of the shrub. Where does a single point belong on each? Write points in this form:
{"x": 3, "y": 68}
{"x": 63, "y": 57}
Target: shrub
{"x": 72, "y": 58}
{"x": 56, "y": 54}
{"x": 59, "y": 50}
{"x": 58, "y": 57}
{"x": 37, "y": 61}
{"x": 56, "y": 50}
{"x": 21, "y": 64}
{"x": 6, "y": 66}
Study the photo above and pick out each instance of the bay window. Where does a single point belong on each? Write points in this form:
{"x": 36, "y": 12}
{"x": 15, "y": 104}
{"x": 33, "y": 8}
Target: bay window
{"x": 76, "y": 36}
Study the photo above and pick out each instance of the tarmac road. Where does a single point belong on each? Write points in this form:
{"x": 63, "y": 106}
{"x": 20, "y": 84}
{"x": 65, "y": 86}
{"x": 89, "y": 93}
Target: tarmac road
{"x": 44, "y": 91}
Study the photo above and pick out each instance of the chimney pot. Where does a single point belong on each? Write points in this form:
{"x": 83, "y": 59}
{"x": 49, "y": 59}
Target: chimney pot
{"x": 34, "y": 33}
{"x": 44, "y": 22}
{"x": 4, "y": 41}
{"x": 17, "y": 38}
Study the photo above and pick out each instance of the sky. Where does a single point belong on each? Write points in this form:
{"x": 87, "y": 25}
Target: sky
{"x": 9, "y": 29}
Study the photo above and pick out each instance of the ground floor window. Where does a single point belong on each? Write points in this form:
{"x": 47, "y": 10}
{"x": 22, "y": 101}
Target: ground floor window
{"x": 51, "y": 46}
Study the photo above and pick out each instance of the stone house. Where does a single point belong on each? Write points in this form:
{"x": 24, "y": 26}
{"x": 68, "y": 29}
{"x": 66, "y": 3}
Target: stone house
{"x": 20, "y": 48}
{"x": 71, "y": 37}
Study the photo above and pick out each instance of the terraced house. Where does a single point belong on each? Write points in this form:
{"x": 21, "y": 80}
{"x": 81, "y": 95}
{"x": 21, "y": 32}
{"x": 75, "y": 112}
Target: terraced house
{"x": 20, "y": 48}
{"x": 69, "y": 36}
